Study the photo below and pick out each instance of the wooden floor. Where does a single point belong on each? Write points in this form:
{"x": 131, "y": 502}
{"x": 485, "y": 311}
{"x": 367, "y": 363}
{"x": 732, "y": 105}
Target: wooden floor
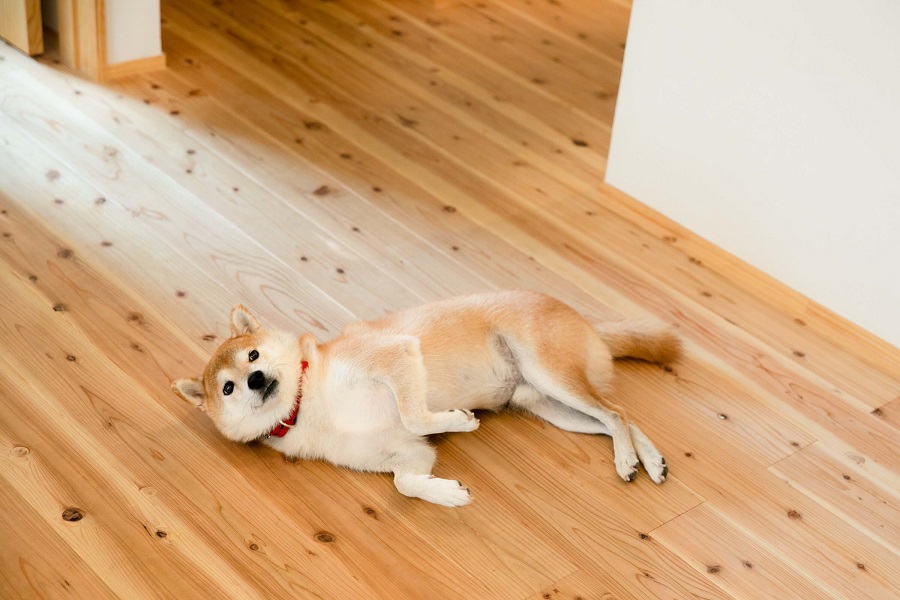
{"x": 326, "y": 161}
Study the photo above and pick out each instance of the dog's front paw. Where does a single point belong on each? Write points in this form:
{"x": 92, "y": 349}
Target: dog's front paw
{"x": 446, "y": 492}
{"x": 460, "y": 419}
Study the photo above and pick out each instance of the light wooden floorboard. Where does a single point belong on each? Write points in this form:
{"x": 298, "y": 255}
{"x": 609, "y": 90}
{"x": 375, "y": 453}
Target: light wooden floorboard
{"x": 327, "y": 161}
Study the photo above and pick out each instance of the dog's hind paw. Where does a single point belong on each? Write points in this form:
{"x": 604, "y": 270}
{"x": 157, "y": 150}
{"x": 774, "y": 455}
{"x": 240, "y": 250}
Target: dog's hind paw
{"x": 627, "y": 468}
{"x": 657, "y": 469}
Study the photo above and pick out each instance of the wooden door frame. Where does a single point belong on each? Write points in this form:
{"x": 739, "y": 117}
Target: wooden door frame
{"x": 20, "y": 25}
{"x": 82, "y": 43}
{"x": 82, "y": 36}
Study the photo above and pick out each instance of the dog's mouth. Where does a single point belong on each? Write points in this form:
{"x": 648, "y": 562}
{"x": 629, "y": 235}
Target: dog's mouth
{"x": 270, "y": 389}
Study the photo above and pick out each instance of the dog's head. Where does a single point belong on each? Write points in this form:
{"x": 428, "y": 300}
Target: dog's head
{"x": 250, "y": 383}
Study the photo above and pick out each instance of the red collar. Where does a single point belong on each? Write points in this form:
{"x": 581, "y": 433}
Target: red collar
{"x": 287, "y": 424}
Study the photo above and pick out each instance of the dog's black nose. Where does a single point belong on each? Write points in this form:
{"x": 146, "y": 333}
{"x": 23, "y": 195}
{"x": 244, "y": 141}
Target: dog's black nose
{"x": 256, "y": 380}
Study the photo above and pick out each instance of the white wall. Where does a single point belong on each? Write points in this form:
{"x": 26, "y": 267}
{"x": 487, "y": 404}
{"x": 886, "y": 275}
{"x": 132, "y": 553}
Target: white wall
{"x": 132, "y": 30}
{"x": 772, "y": 128}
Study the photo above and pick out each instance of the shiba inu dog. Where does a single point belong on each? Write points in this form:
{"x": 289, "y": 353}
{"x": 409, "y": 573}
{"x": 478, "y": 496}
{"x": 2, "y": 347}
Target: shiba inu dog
{"x": 367, "y": 399}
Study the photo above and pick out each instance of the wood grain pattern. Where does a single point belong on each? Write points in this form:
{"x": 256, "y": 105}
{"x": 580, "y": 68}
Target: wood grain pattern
{"x": 327, "y": 161}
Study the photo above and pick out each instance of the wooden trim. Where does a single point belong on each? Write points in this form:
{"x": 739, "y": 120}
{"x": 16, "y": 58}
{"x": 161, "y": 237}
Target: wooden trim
{"x": 68, "y": 33}
{"x": 134, "y": 67}
{"x": 82, "y": 36}
{"x": 20, "y": 25}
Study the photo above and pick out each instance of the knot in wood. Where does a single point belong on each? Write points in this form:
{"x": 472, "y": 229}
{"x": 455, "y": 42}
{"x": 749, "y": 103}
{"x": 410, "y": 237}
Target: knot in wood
{"x": 324, "y": 537}
{"x": 20, "y": 452}
{"x": 72, "y": 515}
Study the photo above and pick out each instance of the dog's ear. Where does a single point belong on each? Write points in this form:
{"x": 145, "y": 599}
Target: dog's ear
{"x": 242, "y": 321}
{"x": 192, "y": 391}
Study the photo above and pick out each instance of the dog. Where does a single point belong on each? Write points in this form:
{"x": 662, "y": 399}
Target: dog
{"x": 367, "y": 398}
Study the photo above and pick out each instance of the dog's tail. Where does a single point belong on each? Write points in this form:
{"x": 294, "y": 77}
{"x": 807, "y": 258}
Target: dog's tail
{"x": 638, "y": 338}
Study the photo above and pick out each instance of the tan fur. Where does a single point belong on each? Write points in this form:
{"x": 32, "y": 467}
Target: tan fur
{"x": 371, "y": 393}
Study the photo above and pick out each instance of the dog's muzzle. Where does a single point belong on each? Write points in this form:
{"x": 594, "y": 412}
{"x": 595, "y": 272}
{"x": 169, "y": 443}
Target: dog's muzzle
{"x": 256, "y": 380}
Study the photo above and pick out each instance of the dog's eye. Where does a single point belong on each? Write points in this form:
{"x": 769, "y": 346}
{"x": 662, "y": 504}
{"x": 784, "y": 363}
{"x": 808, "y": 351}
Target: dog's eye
{"x": 253, "y": 355}
{"x": 229, "y": 387}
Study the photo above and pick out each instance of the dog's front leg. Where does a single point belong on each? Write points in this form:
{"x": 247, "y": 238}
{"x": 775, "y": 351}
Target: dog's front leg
{"x": 412, "y": 466}
{"x": 409, "y": 457}
{"x": 403, "y": 370}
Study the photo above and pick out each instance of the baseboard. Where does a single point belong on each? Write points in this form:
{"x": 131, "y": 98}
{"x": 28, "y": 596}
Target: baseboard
{"x": 133, "y": 67}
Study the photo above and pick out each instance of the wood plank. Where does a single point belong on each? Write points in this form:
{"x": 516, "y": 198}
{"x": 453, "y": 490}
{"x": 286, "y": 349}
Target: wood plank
{"x": 422, "y": 36}
{"x": 341, "y": 260}
{"x": 733, "y": 560}
{"x": 869, "y": 506}
{"x": 416, "y": 67}
{"x": 584, "y": 85}
{"x": 600, "y": 28}
{"x": 498, "y": 466}
{"x": 34, "y": 561}
{"x": 99, "y": 539}
{"x": 308, "y": 70}
{"x": 581, "y": 585}
{"x": 807, "y": 536}
{"x": 889, "y": 412}
{"x": 130, "y": 188}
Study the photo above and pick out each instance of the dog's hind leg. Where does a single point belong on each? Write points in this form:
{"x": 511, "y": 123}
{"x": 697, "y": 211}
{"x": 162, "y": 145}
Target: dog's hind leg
{"x": 582, "y": 410}
{"x": 556, "y": 413}
{"x": 578, "y": 394}
{"x": 650, "y": 457}
{"x": 566, "y": 360}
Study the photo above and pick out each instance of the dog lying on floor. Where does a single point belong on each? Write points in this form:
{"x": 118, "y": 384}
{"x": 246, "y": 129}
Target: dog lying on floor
{"x": 366, "y": 399}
